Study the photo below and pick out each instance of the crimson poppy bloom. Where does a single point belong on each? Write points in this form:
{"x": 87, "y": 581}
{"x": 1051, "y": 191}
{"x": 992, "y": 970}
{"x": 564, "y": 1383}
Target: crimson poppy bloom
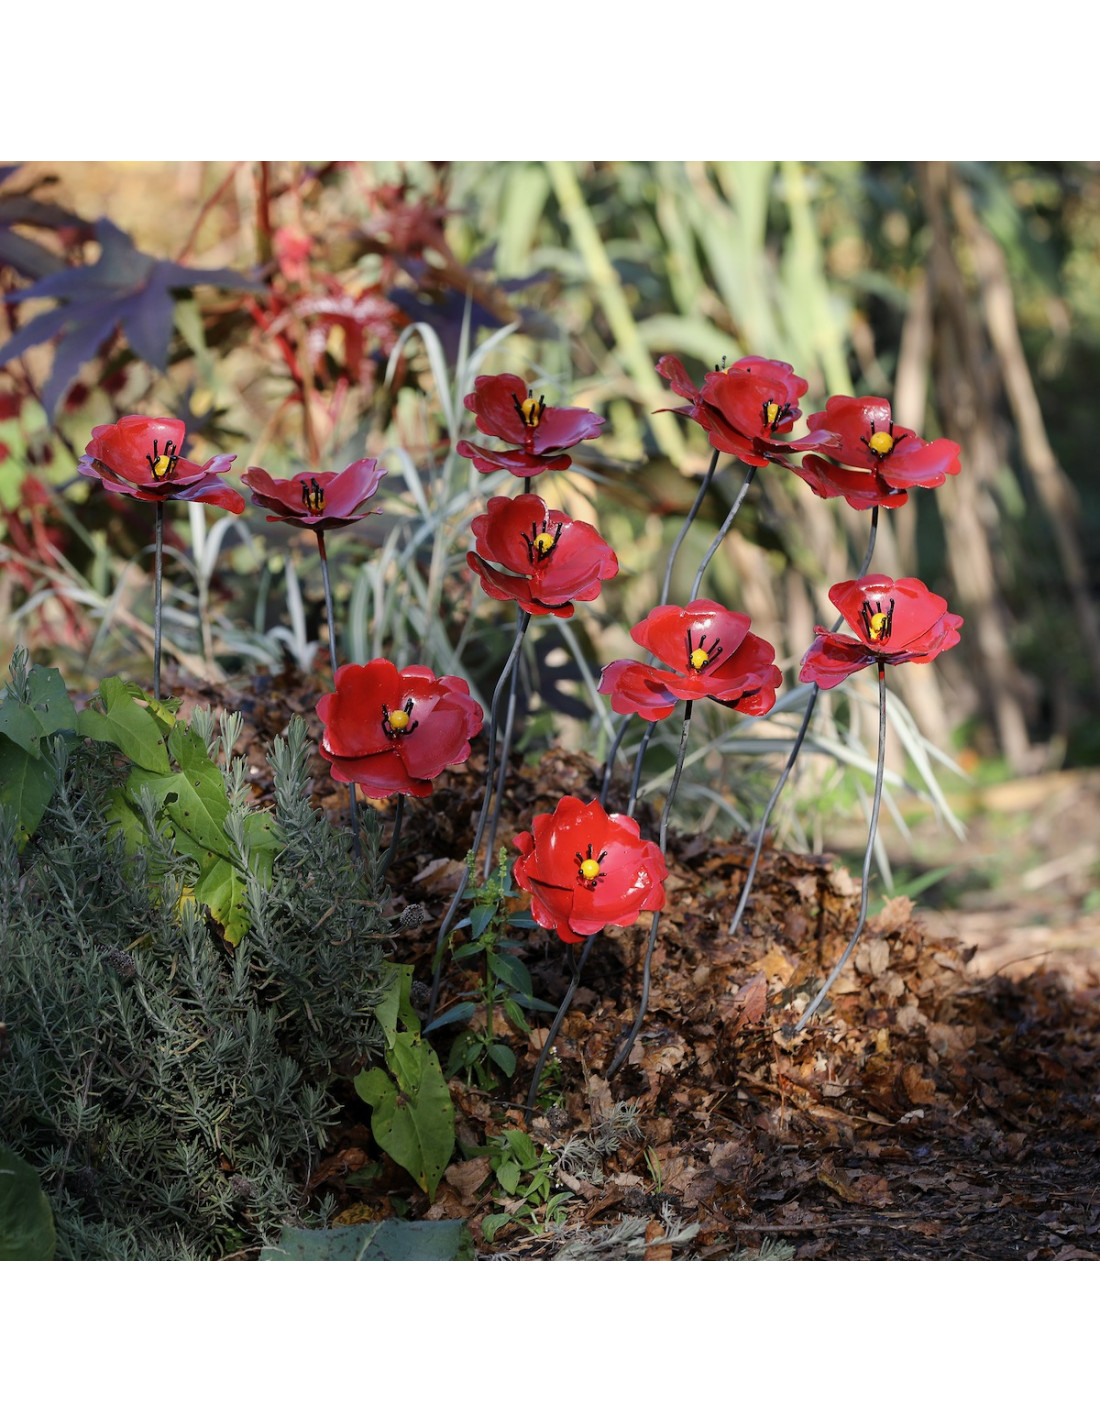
{"x": 745, "y": 405}
{"x": 874, "y": 461}
{"x": 141, "y": 457}
{"x": 539, "y": 433}
{"x": 894, "y": 622}
{"x": 713, "y": 654}
{"x": 549, "y": 559}
{"x": 317, "y": 501}
{"x": 585, "y": 869}
{"x": 393, "y": 731}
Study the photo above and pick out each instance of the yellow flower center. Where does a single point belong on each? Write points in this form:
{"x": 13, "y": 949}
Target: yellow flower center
{"x": 313, "y": 497}
{"x": 544, "y": 542}
{"x": 398, "y": 720}
{"x": 771, "y": 412}
{"x": 590, "y": 868}
{"x": 880, "y": 443}
{"x": 162, "y": 466}
{"x": 531, "y": 411}
{"x": 699, "y": 658}
{"x": 880, "y": 621}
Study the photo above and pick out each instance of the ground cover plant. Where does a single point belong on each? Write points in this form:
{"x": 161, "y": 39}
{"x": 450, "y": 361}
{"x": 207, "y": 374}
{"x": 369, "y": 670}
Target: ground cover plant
{"x": 402, "y": 928}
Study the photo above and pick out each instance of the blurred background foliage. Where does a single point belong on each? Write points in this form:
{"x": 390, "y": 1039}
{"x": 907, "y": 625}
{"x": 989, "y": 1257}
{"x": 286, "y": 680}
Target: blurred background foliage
{"x": 969, "y": 294}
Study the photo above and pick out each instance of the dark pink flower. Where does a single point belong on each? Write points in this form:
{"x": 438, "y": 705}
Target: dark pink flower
{"x": 873, "y": 460}
{"x": 141, "y": 457}
{"x": 393, "y": 731}
{"x": 550, "y": 560}
{"x": 585, "y": 869}
{"x": 894, "y": 622}
{"x": 539, "y": 434}
{"x": 712, "y": 653}
{"x": 318, "y": 501}
{"x": 745, "y": 406}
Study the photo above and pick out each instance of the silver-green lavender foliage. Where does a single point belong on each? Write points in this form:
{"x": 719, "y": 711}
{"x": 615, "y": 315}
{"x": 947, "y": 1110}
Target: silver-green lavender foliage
{"x": 175, "y": 1092}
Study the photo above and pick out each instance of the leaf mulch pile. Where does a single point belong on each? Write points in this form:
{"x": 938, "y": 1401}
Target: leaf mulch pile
{"x": 928, "y": 1113}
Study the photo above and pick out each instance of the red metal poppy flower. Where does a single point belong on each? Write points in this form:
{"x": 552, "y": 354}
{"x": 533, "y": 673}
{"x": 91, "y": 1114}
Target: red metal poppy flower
{"x": 392, "y": 731}
{"x": 141, "y": 457}
{"x": 713, "y": 654}
{"x": 874, "y": 461}
{"x": 550, "y": 560}
{"x": 585, "y": 869}
{"x": 744, "y": 406}
{"x": 893, "y": 621}
{"x": 539, "y": 434}
{"x": 317, "y": 501}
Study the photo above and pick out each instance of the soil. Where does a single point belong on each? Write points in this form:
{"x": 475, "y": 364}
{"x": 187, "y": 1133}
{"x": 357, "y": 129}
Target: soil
{"x": 944, "y": 1104}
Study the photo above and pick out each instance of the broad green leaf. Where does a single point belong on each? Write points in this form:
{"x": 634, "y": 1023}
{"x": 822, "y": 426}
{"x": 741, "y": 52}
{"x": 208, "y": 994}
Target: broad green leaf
{"x": 504, "y": 1057}
{"x": 130, "y": 824}
{"x": 491, "y": 1223}
{"x": 507, "y": 1173}
{"x": 27, "y": 784}
{"x": 26, "y": 1220}
{"x": 481, "y": 916}
{"x": 123, "y": 723}
{"x": 396, "y": 1006}
{"x": 413, "y": 1115}
{"x": 220, "y": 886}
{"x": 461, "y": 1012}
{"x": 511, "y": 971}
{"x": 46, "y": 710}
{"x": 434, "y": 1241}
{"x": 194, "y": 797}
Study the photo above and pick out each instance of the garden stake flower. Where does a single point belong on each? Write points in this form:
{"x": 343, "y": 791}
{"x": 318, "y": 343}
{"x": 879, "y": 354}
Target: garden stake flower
{"x": 882, "y": 455}
{"x": 140, "y": 457}
{"x": 894, "y": 622}
{"x": 550, "y": 560}
{"x": 873, "y": 461}
{"x": 320, "y": 502}
{"x": 620, "y": 735}
{"x": 538, "y": 434}
{"x": 744, "y": 406}
{"x": 585, "y": 869}
{"x": 392, "y": 731}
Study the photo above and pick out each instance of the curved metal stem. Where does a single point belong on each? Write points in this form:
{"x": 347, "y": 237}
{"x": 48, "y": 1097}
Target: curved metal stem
{"x": 502, "y": 770}
{"x": 758, "y": 842}
{"x": 555, "y": 1026}
{"x": 330, "y": 616}
{"x": 395, "y": 835}
{"x": 158, "y": 582}
{"x": 740, "y": 499}
{"x": 624, "y": 1050}
{"x": 704, "y": 487}
{"x": 872, "y": 829}
{"x": 490, "y": 768}
{"x": 643, "y": 746}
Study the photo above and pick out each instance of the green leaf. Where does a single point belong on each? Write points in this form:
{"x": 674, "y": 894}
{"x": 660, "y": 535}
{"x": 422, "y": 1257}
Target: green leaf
{"x": 194, "y": 797}
{"x": 491, "y": 1223}
{"x": 47, "y": 709}
{"x": 437, "y": 1241}
{"x": 504, "y": 1057}
{"x": 27, "y": 784}
{"x": 511, "y": 971}
{"x": 523, "y": 1148}
{"x": 134, "y": 729}
{"x": 26, "y": 1220}
{"x": 413, "y": 1115}
{"x": 396, "y": 1006}
{"x": 461, "y": 1012}
{"x": 481, "y": 916}
{"x": 508, "y": 1173}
